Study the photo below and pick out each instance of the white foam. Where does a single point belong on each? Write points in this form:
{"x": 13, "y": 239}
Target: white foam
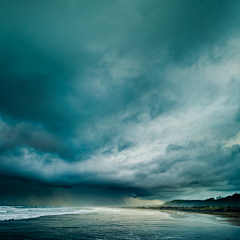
{"x": 17, "y": 213}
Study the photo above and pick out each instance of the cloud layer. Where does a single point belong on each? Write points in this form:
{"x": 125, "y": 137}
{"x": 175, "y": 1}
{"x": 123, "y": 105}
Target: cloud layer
{"x": 119, "y": 99}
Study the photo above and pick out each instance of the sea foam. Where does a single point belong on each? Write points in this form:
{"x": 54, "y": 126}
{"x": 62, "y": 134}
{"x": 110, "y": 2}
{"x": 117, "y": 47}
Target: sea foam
{"x": 21, "y": 212}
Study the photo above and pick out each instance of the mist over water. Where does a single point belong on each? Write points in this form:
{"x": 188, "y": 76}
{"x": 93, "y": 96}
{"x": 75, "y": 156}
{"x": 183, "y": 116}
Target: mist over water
{"x": 110, "y": 223}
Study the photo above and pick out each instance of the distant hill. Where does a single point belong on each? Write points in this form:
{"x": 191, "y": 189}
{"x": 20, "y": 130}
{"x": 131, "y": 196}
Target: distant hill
{"x": 233, "y": 200}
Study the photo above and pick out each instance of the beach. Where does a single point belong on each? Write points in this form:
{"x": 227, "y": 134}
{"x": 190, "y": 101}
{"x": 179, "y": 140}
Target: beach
{"x": 229, "y": 216}
{"x": 118, "y": 223}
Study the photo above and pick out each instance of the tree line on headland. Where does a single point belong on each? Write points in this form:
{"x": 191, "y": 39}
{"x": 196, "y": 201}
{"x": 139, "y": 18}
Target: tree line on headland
{"x": 233, "y": 201}
{"x": 219, "y": 204}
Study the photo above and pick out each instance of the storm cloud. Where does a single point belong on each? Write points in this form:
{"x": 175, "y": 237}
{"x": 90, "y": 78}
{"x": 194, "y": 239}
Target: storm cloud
{"x": 118, "y": 99}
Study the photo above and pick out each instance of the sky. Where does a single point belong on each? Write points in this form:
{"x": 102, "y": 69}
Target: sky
{"x": 118, "y": 101}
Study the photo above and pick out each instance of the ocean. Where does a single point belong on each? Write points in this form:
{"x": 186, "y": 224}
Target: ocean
{"x": 21, "y": 222}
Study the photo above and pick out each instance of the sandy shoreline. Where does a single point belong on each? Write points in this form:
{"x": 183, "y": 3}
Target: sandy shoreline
{"x": 232, "y": 217}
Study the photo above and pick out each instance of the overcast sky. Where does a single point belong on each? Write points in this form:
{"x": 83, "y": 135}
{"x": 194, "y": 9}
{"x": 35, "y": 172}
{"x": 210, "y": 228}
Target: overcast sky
{"x": 115, "y": 101}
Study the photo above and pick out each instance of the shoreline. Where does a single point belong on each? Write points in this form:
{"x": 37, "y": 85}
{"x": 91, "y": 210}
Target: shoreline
{"x": 232, "y": 217}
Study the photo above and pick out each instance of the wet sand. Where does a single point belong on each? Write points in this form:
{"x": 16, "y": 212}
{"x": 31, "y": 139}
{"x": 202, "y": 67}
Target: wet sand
{"x": 232, "y": 217}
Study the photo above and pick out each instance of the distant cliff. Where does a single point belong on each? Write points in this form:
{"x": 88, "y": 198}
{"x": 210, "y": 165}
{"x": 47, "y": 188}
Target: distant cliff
{"x": 233, "y": 200}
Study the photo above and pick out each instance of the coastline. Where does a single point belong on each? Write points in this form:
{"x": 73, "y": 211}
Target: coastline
{"x": 229, "y": 216}
{"x": 109, "y": 224}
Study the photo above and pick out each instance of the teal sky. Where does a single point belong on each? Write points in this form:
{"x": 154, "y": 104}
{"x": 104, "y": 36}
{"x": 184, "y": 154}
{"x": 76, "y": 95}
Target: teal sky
{"x": 103, "y": 101}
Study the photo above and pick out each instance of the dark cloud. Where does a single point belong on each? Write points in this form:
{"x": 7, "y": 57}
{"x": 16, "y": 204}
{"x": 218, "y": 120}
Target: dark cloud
{"x": 142, "y": 98}
{"x": 25, "y": 135}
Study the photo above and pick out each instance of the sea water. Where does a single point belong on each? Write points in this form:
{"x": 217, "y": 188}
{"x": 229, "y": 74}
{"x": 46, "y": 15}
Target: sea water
{"x": 18, "y": 222}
